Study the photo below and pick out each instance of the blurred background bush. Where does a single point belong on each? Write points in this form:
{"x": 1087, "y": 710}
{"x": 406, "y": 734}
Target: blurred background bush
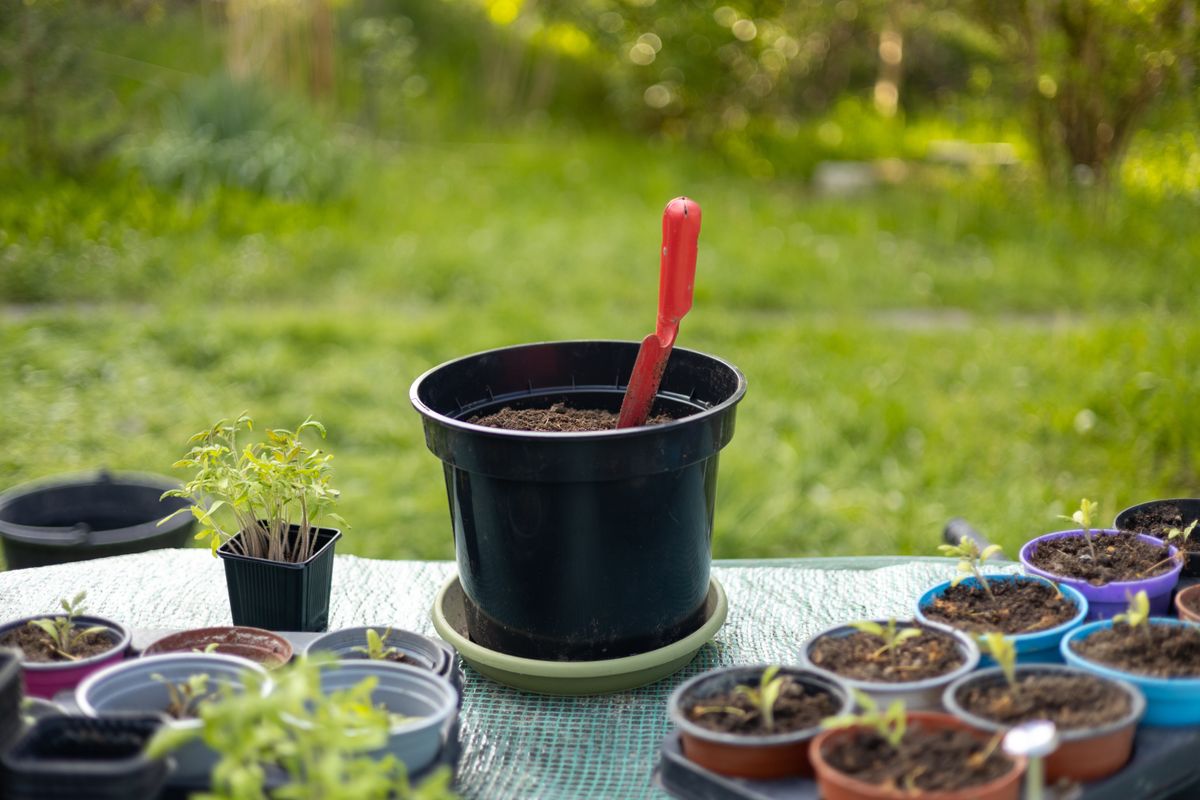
{"x": 952, "y": 244}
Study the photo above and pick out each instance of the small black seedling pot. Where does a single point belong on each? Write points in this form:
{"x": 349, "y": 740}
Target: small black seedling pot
{"x": 1189, "y": 509}
{"x": 89, "y": 516}
{"x": 75, "y": 758}
{"x": 580, "y": 546}
{"x": 281, "y": 596}
{"x": 10, "y": 695}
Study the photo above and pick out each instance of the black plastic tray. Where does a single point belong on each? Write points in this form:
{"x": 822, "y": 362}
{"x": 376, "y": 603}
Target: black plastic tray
{"x": 1164, "y": 767}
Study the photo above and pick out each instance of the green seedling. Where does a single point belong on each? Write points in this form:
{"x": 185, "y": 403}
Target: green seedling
{"x": 970, "y": 561}
{"x": 376, "y": 650}
{"x": 64, "y": 633}
{"x": 1083, "y": 518}
{"x": 1179, "y": 538}
{"x": 249, "y": 497}
{"x": 211, "y": 647}
{"x": 184, "y": 697}
{"x": 891, "y": 724}
{"x": 1002, "y": 649}
{"x": 1137, "y": 613}
{"x": 321, "y": 744}
{"x": 763, "y": 697}
{"x": 891, "y": 636}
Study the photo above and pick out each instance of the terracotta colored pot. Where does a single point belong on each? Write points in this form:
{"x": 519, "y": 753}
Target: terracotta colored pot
{"x": 764, "y": 757}
{"x": 1190, "y": 593}
{"x": 254, "y": 644}
{"x": 1084, "y": 754}
{"x": 834, "y": 785}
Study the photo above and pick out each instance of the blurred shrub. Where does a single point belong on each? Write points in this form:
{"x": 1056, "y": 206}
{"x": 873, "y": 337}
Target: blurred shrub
{"x": 223, "y": 132}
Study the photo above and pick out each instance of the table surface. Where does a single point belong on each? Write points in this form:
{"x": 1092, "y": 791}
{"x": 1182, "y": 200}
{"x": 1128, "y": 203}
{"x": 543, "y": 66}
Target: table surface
{"x": 514, "y": 744}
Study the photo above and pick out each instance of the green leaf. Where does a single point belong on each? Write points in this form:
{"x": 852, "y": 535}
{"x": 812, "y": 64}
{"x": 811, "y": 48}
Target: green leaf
{"x": 869, "y": 627}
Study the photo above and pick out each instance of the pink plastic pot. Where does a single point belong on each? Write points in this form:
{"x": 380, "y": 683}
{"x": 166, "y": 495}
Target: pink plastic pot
{"x": 48, "y": 679}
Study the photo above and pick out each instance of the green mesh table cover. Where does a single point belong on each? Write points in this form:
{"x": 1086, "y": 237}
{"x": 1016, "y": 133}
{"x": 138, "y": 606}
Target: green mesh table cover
{"x": 514, "y": 745}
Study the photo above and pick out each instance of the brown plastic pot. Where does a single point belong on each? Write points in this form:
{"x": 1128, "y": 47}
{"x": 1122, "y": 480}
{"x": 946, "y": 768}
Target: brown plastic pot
{"x": 1181, "y": 607}
{"x": 1084, "y": 754}
{"x": 255, "y": 644}
{"x": 762, "y": 757}
{"x": 834, "y": 785}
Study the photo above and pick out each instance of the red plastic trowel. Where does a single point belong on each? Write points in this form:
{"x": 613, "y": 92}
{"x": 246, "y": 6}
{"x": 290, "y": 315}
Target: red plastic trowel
{"x": 676, "y": 278}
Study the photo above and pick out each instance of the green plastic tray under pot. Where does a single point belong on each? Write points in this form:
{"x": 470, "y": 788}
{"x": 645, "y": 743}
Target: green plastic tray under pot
{"x": 574, "y": 677}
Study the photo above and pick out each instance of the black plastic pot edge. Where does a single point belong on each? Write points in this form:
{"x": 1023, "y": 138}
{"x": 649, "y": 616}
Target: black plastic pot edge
{"x": 282, "y": 596}
{"x": 11, "y": 695}
{"x": 1191, "y": 567}
{"x": 31, "y": 545}
{"x": 26, "y": 774}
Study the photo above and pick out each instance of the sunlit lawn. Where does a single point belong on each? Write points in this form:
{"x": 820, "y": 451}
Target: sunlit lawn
{"x": 951, "y": 346}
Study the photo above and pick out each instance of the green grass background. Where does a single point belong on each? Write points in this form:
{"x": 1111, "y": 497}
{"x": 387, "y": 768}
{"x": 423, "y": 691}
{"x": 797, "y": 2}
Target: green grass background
{"x": 958, "y": 345}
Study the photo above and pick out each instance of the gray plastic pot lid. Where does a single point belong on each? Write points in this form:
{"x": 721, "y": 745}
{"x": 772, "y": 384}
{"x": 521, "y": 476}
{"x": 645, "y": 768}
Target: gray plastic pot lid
{"x": 574, "y": 677}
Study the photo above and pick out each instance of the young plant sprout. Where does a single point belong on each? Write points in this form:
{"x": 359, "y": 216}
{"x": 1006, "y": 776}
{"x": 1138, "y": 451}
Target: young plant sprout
{"x": 62, "y": 630}
{"x": 1083, "y": 518}
{"x": 1137, "y": 613}
{"x": 890, "y": 724}
{"x": 1002, "y": 649}
{"x": 262, "y": 488}
{"x": 375, "y": 649}
{"x": 1181, "y": 538}
{"x": 186, "y": 696}
{"x": 970, "y": 560}
{"x": 890, "y": 635}
{"x": 763, "y": 697}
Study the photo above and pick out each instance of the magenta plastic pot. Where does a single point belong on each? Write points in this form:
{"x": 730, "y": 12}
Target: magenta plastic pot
{"x": 48, "y": 679}
{"x": 1111, "y": 599}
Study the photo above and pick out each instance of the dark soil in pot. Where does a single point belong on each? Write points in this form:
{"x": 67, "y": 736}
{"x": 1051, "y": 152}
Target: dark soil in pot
{"x": 1157, "y": 520}
{"x": 858, "y": 656}
{"x": 1015, "y": 606}
{"x": 935, "y": 760}
{"x": 798, "y": 708}
{"x": 39, "y": 648}
{"x": 1159, "y": 651}
{"x": 1069, "y": 701}
{"x": 1119, "y": 557}
{"x": 558, "y": 418}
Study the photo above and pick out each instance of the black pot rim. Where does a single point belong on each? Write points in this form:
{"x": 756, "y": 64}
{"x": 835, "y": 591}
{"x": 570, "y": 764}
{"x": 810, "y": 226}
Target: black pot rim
{"x": 333, "y": 535}
{"x": 804, "y": 675}
{"x": 1148, "y": 504}
{"x": 1137, "y": 701}
{"x": 122, "y": 634}
{"x": 62, "y": 536}
{"x": 501, "y": 433}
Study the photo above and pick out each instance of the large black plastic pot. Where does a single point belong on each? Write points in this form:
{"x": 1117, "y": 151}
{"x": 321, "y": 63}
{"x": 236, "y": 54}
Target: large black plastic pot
{"x": 580, "y": 546}
{"x": 74, "y": 758}
{"x": 89, "y": 516}
{"x": 279, "y": 595}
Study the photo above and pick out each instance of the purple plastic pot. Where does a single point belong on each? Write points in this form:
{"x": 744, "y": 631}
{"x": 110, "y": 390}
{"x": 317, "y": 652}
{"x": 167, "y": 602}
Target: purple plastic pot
{"x": 1111, "y": 599}
{"x": 48, "y": 679}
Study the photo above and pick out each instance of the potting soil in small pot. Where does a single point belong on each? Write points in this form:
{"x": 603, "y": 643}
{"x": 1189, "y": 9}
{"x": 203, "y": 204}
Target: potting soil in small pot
{"x": 39, "y": 648}
{"x": 859, "y": 656}
{"x": 1119, "y": 557}
{"x": 45, "y": 669}
{"x": 579, "y": 545}
{"x": 1155, "y": 650}
{"x": 1014, "y": 606}
{"x": 798, "y": 708}
{"x": 936, "y": 754}
{"x": 1068, "y": 700}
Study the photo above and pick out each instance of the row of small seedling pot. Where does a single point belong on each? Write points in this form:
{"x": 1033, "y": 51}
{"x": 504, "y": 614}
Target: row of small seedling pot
{"x": 197, "y": 697}
{"x": 878, "y": 707}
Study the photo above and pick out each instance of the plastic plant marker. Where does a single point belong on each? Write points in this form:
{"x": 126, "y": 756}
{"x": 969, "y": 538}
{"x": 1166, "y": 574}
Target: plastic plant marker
{"x": 676, "y": 279}
{"x": 1034, "y": 740}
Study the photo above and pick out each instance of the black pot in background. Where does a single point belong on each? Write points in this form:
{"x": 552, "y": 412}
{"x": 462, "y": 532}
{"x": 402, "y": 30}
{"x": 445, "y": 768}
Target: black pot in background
{"x": 76, "y": 758}
{"x": 1189, "y": 509}
{"x": 78, "y": 517}
{"x": 281, "y": 596}
{"x": 10, "y": 695}
{"x": 580, "y": 546}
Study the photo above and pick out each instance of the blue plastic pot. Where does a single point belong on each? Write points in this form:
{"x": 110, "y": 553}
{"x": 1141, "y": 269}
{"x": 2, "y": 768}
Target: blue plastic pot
{"x": 1039, "y": 647}
{"x": 1170, "y": 702}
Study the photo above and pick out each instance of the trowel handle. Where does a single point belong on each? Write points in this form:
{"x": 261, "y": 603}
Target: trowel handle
{"x": 677, "y": 271}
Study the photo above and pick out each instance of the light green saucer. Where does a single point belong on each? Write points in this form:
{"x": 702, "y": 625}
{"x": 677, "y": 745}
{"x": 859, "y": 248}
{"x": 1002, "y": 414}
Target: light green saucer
{"x": 574, "y": 677}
